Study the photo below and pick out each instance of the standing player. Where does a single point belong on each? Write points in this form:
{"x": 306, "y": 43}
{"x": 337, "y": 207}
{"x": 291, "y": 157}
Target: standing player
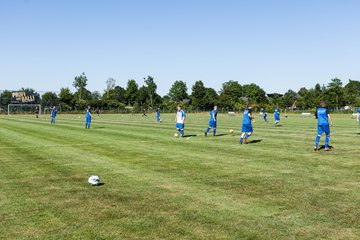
{"x": 358, "y": 116}
{"x": 53, "y": 115}
{"x": 212, "y": 121}
{"x": 247, "y": 129}
{"x": 324, "y": 123}
{"x": 276, "y": 116}
{"x": 88, "y": 118}
{"x": 180, "y": 120}
{"x": 158, "y": 115}
{"x": 265, "y": 115}
{"x": 37, "y": 112}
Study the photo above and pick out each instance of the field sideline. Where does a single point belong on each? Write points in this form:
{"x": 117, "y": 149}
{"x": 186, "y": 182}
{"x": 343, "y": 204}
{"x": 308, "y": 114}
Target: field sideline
{"x": 160, "y": 187}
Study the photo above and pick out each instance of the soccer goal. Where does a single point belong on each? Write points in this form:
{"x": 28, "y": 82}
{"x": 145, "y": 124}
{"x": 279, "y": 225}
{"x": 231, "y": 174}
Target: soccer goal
{"x": 22, "y": 108}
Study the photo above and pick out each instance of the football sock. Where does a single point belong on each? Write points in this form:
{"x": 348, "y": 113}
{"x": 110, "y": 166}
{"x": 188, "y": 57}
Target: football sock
{"x": 247, "y": 136}
{"x": 181, "y": 132}
{"x": 241, "y": 140}
{"x": 317, "y": 140}
{"x": 208, "y": 129}
{"x": 214, "y": 131}
{"x": 327, "y": 139}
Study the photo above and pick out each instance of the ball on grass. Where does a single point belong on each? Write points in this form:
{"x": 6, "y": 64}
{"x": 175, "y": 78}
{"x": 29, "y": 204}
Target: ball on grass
{"x": 176, "y": 135}
{"x": 231, "y": 131}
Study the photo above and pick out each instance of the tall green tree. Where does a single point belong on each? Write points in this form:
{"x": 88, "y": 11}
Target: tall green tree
{"x": 198, "y": 95}
{"x": 49, "y": 99}
{"x": 288, "y": 99}
{"x": 110, "y": 85}
{"x": 5, "y": 98}
{"x": 80, "y": 83}
{"x": 230, "y": 94}
{"x": 254, "y": 93}
{"x": 335, "y": 89}
{"x": 151, "y": 89}
{"x": 131, "y": 92}
{"x": 352, "y": 92}
{"x": 178, "y": 91}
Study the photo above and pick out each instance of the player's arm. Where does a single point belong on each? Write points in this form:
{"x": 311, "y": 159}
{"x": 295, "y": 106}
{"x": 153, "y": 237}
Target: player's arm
{"x": 330, "y": 120}
{"x": 316, "y": 114}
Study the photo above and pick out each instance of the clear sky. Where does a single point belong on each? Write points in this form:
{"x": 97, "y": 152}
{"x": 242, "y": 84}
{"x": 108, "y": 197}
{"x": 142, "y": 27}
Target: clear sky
{"x": 277, "y": 44}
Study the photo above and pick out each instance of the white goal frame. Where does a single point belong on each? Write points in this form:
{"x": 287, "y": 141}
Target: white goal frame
{"x": 24, "y": 105}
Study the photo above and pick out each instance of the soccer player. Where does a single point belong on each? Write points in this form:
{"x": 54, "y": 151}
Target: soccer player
{"x": 358, "y": 116}
{"x": 180, "y": 120}
{"x": 144, "y": 112}
{"x": 212, "y": 121}
{"x": 247, "y": 128}
{"x": 276, "y": 116}
{"x": 324, "y": 123}
{"x": 37, "y": 112}
{"x": 53, "y": 115}
{"x": 265, "y": 115}
{"x": 88, "y": 118}
{"x": 158, "y": 115}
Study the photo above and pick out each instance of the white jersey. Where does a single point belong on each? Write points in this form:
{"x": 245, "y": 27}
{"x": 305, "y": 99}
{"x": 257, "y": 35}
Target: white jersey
{"x": 180, "y": 115}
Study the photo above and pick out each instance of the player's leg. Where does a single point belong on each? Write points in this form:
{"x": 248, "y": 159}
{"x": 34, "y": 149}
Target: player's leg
{"x": 327, "y": 137}
{"x": 317, "y": 139}
{"x": 214, "y": 131}
{"x": 242, "y": 137}
{"x": 207, "y": 130}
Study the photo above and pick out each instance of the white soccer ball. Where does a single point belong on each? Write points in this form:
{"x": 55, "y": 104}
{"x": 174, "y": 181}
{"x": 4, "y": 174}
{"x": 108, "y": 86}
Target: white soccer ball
{"x": 176, "y": 135}
{"x": 231, "y": 131}
{"x": 94, "y": 180}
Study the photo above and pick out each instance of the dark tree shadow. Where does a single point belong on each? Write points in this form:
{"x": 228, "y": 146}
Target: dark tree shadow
{"x": 254, "y": 141}
{"x": 99, "y": 127}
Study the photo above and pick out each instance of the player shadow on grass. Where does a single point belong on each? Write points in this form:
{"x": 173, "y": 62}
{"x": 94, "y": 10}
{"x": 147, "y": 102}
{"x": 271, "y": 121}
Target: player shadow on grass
{"x": 323, "y": 147}
{"x": 190, "y": 135}
{"x": 254, "y": 141}
{"x": 221, "y": 134}
{"x": 99, "y": 184}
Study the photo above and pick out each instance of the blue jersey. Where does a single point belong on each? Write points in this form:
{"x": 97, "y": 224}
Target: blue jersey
{"x": 88, "y": 115}
{"x": 359, "y": 110}
{"x": 322, "y": 115}
{"x": 53, "y": 112}
{"x": 157, "y": 113}
{"x": 247, "y": 119}
{"x": 213, "y": 116}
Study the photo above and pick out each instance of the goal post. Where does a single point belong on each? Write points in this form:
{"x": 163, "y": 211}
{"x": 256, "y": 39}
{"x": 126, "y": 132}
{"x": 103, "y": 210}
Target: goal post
{"x": 23, "y": 108}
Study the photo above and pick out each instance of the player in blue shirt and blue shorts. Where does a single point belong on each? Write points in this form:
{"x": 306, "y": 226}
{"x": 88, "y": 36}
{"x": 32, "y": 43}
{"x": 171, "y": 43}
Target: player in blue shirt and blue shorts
{"x": 88, "y": 118}
{"x": 265, "y": 115}
{"x": 276, "y": 116}
{"x": 53, "y": 115}
{"x": 247, "y": 128}
{"x": 358, "y": 116}
{"x": 324, "y": 123}
{"x": 158, "y": 115}
{"x": 180, "y": 120}
{"x": 212, "y": 121}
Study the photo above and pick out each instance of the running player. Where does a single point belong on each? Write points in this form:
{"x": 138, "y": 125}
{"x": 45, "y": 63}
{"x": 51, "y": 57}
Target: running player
{"x": 265, "y": 115}
{"x": 247, "y": 128}
{"x": 212, "y": 121}
{"x": 158, "y": 115}
{"x": 324, "y": 123}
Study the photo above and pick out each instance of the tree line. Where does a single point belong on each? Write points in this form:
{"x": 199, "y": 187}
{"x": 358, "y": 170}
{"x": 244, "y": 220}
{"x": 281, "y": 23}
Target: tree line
{"x": 232, "y": 96}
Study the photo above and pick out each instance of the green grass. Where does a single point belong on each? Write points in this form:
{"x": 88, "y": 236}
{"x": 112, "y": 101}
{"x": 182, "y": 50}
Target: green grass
{"x": 160, "y": 187}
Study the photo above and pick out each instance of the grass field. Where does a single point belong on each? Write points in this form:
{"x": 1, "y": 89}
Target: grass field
{"x": 160, "y": 187}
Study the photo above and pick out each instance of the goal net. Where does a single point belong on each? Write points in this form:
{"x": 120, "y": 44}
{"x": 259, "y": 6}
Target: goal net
{"x": 23, "y": 108}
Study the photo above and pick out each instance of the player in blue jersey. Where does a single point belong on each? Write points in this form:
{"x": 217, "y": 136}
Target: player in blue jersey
{"x": 324, "y": 123}
{"x": 88, "y": 117}
{"x": 180, "y": 120}
{"x": 158, "y": 115}
{"x": 212, "y": 121}
{"x": 264, "y": 115}
{"x": 276, "y": 116}
{"x": 358, "y": 116}
{"x": 247, "y": 128}
{"x": 53, "y": 115}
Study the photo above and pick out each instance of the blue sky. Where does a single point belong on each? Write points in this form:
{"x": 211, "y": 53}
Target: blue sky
{"x": 279, "y": 44}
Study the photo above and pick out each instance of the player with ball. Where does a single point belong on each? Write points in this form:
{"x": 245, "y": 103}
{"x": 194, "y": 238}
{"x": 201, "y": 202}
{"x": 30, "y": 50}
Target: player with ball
{"x": 247, "y": 129}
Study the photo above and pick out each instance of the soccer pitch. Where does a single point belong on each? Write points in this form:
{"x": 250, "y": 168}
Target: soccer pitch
{"x": 160, "y": 187}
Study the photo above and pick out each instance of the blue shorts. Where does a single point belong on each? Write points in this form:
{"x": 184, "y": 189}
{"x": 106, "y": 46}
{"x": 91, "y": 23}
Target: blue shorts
{"x": 277, "y": 118}
{"x": 212, "y": 124}
{"x": 180, "y": 125}
{"x": 323, "y": 129}
{"x": 247, "y": 128}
